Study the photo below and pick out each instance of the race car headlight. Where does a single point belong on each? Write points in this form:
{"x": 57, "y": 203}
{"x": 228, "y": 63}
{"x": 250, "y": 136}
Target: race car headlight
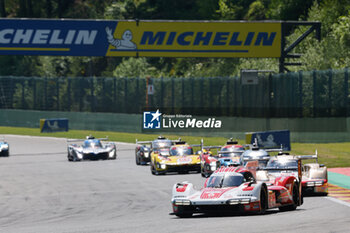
{"x": 245, "y": 201}
{"x": 161, "y": 165}
{"x": 310, "y": 184}
{"x": 238, "y": 201}
{"x": 182, "y": 202}
{"x": 233, "y": 202}
{"x": 111, "y": 153}
{"x": 146, "y": 154}
{"x": 80, "y": 155}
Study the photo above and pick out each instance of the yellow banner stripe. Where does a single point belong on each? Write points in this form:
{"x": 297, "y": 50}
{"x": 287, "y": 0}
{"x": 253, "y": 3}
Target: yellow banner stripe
{"x": 34, "y": 49}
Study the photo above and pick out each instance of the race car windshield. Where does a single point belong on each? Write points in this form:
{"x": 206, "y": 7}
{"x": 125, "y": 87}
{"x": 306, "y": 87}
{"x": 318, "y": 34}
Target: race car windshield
{"x": 231, "y": 152}
{"x": 219, "y": 181}
{"x": 230, "y": 155}
{"x": 161, "y": 144}
{"x": 180, "y": 151}
{"x": 92, "y": 144}
{"x": 282, "y": 164}
{"x": 162, "y": 151}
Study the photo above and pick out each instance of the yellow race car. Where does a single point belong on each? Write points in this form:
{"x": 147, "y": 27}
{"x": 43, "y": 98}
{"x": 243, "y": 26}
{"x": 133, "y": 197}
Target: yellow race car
{"x": 178, "y": 158}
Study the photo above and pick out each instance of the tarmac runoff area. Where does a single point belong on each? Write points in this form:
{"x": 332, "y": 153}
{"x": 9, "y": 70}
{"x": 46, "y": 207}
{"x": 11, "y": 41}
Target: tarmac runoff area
{"x": 339, "y": 183}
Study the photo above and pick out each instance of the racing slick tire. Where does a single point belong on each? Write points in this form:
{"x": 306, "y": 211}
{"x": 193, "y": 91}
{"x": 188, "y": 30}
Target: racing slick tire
{"x": 137, "y": 160}
{"x": 72, "y": 158}
{"x": 153, "y": 170}
{"x": 5, "y": 154}
{"x": 295, "y": 200}
{"x": 183, "y": 212}
{"x": 204, "y": 173}
{"x": 263, "y": 200}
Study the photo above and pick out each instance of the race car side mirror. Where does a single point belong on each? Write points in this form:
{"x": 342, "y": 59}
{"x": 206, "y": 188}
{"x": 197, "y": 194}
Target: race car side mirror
{"x": 250, "y": 183}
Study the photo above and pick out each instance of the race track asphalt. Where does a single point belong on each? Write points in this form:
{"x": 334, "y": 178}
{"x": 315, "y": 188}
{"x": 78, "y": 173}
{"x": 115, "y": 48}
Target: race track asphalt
{"x": 41, "y": 192}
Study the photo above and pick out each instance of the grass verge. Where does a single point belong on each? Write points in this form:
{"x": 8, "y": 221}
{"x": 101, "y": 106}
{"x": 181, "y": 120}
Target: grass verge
{"x": 330, "y": 154}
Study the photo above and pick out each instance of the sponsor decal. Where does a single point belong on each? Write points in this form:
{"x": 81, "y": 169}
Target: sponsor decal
{"x": 213, "y": 193}
{"x": 184, "y": 159}
{"x": 181, "y": 188}
{"x": 195, "y": 39}
{"x": 54, "y": 37}
{"x": 68, "y": 37}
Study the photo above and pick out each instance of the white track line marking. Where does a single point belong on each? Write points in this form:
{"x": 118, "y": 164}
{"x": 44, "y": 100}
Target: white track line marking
{"x": 338, "y": 201}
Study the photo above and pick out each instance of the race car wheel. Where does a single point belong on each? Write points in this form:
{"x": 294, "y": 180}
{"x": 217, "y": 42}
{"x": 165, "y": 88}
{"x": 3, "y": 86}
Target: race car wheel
{"x": 295, "y": 200}
{"x": 183, "y": 212}
{"x": 70, "y": 158}
{"x": 153, "y": 170}
{"x": 5, "y": 154}
{"x": 137, "y": 160}
{"x": 263, "y": 200}
{"x": 202, "y": 172}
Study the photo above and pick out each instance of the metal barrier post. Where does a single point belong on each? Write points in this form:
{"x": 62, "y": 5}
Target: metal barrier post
{"x": 330, "y": 92}
{"x": 314, "y": 93}
{"x": 300, "y": 94}
{"x": 346, "y": 91}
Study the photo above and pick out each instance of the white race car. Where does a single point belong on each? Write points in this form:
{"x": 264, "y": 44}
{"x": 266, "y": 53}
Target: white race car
{"x": 4, "y": 149}
{"x": 91, "y": 149}
{"x": 236, "y": 189}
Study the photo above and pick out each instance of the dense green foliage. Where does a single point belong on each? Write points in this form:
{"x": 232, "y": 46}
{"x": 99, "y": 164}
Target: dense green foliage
{"x": 332, "y": 53}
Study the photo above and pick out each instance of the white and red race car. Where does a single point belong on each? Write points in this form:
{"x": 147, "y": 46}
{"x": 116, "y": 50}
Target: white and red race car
{"x": 314, "y": 175}
{"x": 231, "y": 189}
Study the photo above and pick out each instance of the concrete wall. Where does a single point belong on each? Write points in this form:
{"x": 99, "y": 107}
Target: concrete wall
{"x": 302, "y": 129}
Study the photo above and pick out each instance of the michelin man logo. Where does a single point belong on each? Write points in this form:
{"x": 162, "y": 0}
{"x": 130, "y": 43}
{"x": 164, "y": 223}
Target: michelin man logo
{"x": 53, "y": 125}
{"x": 121, "y": 44}
{"x": 151, "y": 120}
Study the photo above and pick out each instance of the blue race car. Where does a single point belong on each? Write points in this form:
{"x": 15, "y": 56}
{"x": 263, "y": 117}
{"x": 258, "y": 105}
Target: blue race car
{"x": 230, "y": 154}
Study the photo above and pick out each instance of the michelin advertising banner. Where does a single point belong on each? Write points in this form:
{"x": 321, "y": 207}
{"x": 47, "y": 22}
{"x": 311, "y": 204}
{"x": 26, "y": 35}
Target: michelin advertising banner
{"x": 65, "y": 37}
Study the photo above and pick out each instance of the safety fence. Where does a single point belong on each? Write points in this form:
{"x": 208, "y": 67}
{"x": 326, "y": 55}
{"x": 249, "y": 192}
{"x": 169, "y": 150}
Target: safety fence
{"x": 300, "y": 94}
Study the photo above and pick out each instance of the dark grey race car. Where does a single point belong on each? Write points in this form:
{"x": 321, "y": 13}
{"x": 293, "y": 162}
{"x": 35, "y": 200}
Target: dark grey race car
{"x": 91, "y": 149}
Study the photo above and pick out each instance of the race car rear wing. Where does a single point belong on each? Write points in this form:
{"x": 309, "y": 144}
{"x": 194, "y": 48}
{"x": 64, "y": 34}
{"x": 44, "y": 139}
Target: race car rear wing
{"x": 315, "y": 156}
{"x": 229, "y": 152}
{"x": 143, "y": 142}
{"x": 149, "y": 142}
{"x": 88, "y": 137}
